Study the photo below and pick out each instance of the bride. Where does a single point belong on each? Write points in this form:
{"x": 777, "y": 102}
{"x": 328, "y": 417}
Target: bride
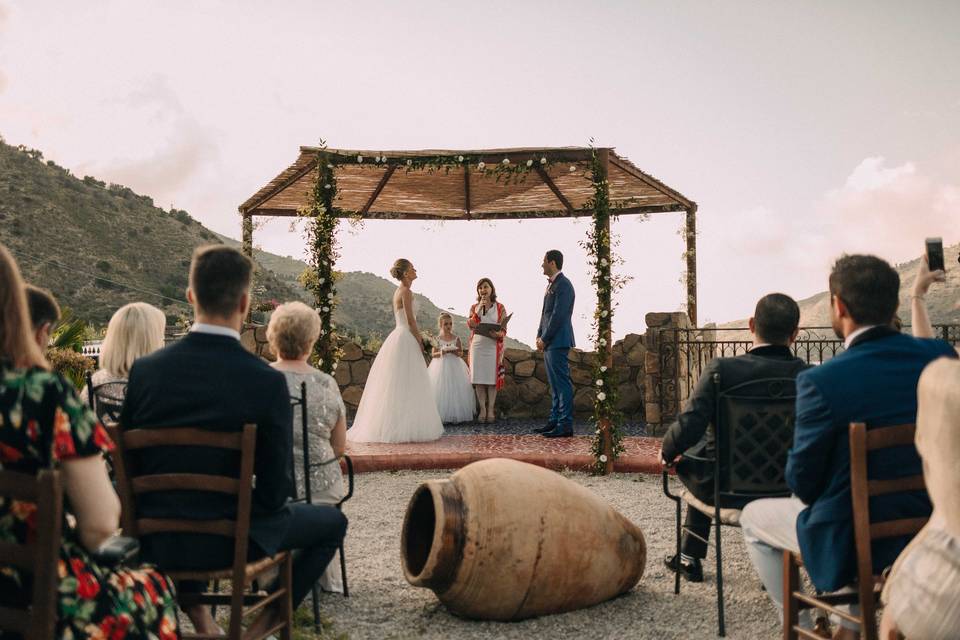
{"x": 397, "y": 403}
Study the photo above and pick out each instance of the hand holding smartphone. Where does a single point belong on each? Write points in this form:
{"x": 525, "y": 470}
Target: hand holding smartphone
{"x": 935, "y": 260}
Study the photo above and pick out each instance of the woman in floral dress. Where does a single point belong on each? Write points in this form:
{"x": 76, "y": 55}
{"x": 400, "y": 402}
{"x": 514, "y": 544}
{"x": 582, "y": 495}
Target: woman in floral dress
{"x": 43, "y": 425}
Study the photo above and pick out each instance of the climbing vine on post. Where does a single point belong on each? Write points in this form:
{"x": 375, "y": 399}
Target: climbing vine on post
{"x": 320, "y": 279}
{"x": 607, "y": 419}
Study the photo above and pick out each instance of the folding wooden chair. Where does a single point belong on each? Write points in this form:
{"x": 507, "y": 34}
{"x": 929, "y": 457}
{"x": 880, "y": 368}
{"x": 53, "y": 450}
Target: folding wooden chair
{"x": 862, "y": 442}
{"x": 37, "y": 618}
{"x": 241, "y": 573}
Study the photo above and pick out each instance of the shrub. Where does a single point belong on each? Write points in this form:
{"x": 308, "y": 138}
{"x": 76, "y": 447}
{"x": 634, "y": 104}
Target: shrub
{"x": 103, "y": 265}
{"x": 72, "y": 365}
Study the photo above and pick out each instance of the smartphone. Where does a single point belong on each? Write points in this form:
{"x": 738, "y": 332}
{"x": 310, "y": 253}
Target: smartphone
{"x": 935, "y": 254}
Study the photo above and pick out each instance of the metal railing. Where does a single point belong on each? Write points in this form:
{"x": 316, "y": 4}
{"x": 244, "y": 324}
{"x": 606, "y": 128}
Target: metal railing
{"x": 683, "y": 353}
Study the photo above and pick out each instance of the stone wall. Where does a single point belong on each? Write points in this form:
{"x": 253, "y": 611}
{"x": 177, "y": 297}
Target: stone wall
{"x": 662, "y": 369}
{"x": 525, "y": 393}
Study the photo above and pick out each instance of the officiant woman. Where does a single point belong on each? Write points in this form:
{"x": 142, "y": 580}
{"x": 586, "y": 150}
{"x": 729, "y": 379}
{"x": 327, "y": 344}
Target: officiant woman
{"x": 486, "y": 353}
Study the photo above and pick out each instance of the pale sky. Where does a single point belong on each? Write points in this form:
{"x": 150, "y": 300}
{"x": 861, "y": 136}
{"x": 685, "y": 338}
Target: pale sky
{"x": 802, "y": 130}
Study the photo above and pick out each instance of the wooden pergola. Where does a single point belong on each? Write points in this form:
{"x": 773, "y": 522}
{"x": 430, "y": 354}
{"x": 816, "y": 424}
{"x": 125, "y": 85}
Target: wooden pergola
{"x": 389, "y": 189}
{"x": 486, "y": 184}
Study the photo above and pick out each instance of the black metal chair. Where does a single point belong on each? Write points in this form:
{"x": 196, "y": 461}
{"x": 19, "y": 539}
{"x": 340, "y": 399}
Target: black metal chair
{"x": 106, "y": 399}
{"x": 753, "y": 431}
{"x": 306, "y": 496}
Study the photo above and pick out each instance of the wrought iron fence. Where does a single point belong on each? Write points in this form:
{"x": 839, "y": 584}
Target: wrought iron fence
{"x": 683, "y": 353}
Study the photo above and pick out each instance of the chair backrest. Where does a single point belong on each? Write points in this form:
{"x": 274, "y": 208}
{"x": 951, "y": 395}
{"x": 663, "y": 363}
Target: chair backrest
{"x": 753, "y": 430}
{"x": 37, "y": 621}
{"x": 131, "y": 485}
{"x": 862, "y": 442}
{"x": 106, "y": 399}
{"x": 301, "y": 401}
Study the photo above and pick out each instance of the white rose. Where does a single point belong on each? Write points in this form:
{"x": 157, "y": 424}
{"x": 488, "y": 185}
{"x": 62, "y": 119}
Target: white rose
{"x": 409, "y": 162}
{"x": 529, "y": 163}
{"x": 327, "y": 186}
{"x": 329, "y": 166}
{"x": 383, "y": 158}
{"x": 572, "y": 168}
{"x": 329, "y": 295}
{"x": 543, "y": 161}
{"x": 604, "y": 313}
{"x": 459, "y": 158}
{"x": 604, "y": 262}
{"x": 601, "y": 396}
{"x": 599, "y": 383}
{"x": 506, "y": 161}
{"x": 325, "y": 310}
{"x": 359, "y": 158}
{"x": 603, "y": 458}
{"x": 376, "y": 159}
{"x": 603, "y": 368}
{"x": 603, "y": 341}
{"x": 321, "y": 280}
{"x": 481, "y": 166}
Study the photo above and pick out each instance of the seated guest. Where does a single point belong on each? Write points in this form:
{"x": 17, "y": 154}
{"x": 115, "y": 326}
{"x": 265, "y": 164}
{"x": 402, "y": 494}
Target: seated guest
{"x": 208, "y": 380}
{"x": 44, "y": 314}
{"x": 135, "y": 330}
{"x": 873, "y": 381}
{"x": 774, "y": 328}
{"x": 48, "y": 427}
{"x": 922, "y": 594}
{"x": 293, "y": 329}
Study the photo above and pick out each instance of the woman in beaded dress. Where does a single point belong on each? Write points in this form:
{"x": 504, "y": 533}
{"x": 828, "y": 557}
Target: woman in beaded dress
{"x": 293, "y": 329}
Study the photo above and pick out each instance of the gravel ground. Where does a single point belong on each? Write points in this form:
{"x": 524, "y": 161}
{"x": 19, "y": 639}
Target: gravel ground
{"x": 383, "y": 605}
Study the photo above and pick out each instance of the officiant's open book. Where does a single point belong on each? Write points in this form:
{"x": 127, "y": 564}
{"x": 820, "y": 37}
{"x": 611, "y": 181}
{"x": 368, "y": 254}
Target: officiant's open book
{"x": 490, "y": 329}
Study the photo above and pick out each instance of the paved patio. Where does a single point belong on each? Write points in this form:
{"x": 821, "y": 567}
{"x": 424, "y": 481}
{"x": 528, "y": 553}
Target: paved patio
{"x": 463, "y": 444}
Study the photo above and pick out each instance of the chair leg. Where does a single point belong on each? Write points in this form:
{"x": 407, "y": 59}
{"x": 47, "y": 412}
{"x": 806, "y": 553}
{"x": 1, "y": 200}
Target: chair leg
{"x": 343, "y": 572}
{"x": 676, "y": 574}
{"x": 791, "y": 583}
{"x": 721, "y": 627}
{"x": 315, "y": 594}
{"x": 286, "y": 603}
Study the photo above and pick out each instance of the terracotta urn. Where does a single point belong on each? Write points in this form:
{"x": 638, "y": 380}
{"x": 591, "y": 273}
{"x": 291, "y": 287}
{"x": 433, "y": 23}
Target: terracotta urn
{"x": 507, "y": 540}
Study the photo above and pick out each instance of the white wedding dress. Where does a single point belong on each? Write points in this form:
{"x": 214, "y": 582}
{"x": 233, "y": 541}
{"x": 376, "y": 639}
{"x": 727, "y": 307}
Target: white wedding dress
{"x": 397, "y": 403}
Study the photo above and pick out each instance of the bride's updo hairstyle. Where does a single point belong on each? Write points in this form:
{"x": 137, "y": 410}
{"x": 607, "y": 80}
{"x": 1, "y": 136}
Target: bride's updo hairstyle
{"x": 399, "y": 268}
{"x": 493, "y": 289}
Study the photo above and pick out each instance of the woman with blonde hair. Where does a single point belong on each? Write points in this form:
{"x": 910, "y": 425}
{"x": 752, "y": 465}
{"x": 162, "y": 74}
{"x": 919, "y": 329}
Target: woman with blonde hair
{"x": 135, "y": 330}
{"x": 293, "y": 329}
{"x": 922, "y": 594}
{"x": 44, "y": 425}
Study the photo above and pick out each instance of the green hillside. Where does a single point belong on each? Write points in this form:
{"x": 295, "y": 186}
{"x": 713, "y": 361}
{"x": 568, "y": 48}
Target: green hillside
{"x": 98, "y": 246}
{"x": 942, "y": 298}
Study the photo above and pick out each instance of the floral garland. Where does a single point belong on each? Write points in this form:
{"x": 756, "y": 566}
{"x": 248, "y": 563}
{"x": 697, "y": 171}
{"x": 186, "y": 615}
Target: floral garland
{"x": 598, "y": 246}
{"x": 321, "y": 278}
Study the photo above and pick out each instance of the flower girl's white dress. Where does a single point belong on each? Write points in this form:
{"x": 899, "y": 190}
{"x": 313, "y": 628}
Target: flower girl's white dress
{"x": 450, "y": 379}
{"x": 397, "y": 403}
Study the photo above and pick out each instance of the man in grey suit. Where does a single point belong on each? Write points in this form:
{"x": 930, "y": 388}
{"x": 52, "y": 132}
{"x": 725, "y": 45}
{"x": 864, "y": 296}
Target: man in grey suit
{"x": 774, "y": 326}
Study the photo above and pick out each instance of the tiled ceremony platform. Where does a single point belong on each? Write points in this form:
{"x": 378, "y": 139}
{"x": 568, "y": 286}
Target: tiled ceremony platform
{"x": 462, "y": 445}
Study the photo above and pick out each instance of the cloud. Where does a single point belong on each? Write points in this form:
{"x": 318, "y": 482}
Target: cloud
{"x": 176, "y": 151}
{"x": 879, "y": 208}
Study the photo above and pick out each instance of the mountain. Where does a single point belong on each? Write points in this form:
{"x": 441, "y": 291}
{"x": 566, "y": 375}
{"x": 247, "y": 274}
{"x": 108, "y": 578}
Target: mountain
{"x": 98, "y": 246}
{"x": 941, "y": 299}
{"x": 364, "y": 308}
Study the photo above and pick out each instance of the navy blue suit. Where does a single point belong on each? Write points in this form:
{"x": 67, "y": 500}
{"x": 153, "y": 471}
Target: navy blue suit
{"x": 874, "y": 381}
{"x": 556, "y": 331}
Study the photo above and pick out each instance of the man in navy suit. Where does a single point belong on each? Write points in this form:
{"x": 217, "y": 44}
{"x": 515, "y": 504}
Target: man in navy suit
{"x": 873, "y": 381}
{"x": 208, "y": 380}
{"x": 555, "y": 338}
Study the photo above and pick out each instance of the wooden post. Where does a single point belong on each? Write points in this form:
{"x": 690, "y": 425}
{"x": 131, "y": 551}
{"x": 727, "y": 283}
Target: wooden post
{"x": 606, "y": 355}
{"x": 247, "y": 245}
{"x": 691, "y": 238}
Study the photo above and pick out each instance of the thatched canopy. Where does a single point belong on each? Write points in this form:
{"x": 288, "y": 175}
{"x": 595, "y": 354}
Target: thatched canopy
{"x": 451, "y": 190}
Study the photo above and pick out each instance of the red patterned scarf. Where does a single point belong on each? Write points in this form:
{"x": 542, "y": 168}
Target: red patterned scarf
{"x": 475, "y": 318}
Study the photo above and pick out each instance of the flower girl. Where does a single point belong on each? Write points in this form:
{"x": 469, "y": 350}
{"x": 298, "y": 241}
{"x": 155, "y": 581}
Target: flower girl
{"x": 449, "y": 375}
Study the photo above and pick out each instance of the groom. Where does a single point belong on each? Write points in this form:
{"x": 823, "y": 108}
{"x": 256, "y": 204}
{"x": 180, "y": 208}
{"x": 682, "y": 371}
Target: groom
{"x": 554, "y": 338}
